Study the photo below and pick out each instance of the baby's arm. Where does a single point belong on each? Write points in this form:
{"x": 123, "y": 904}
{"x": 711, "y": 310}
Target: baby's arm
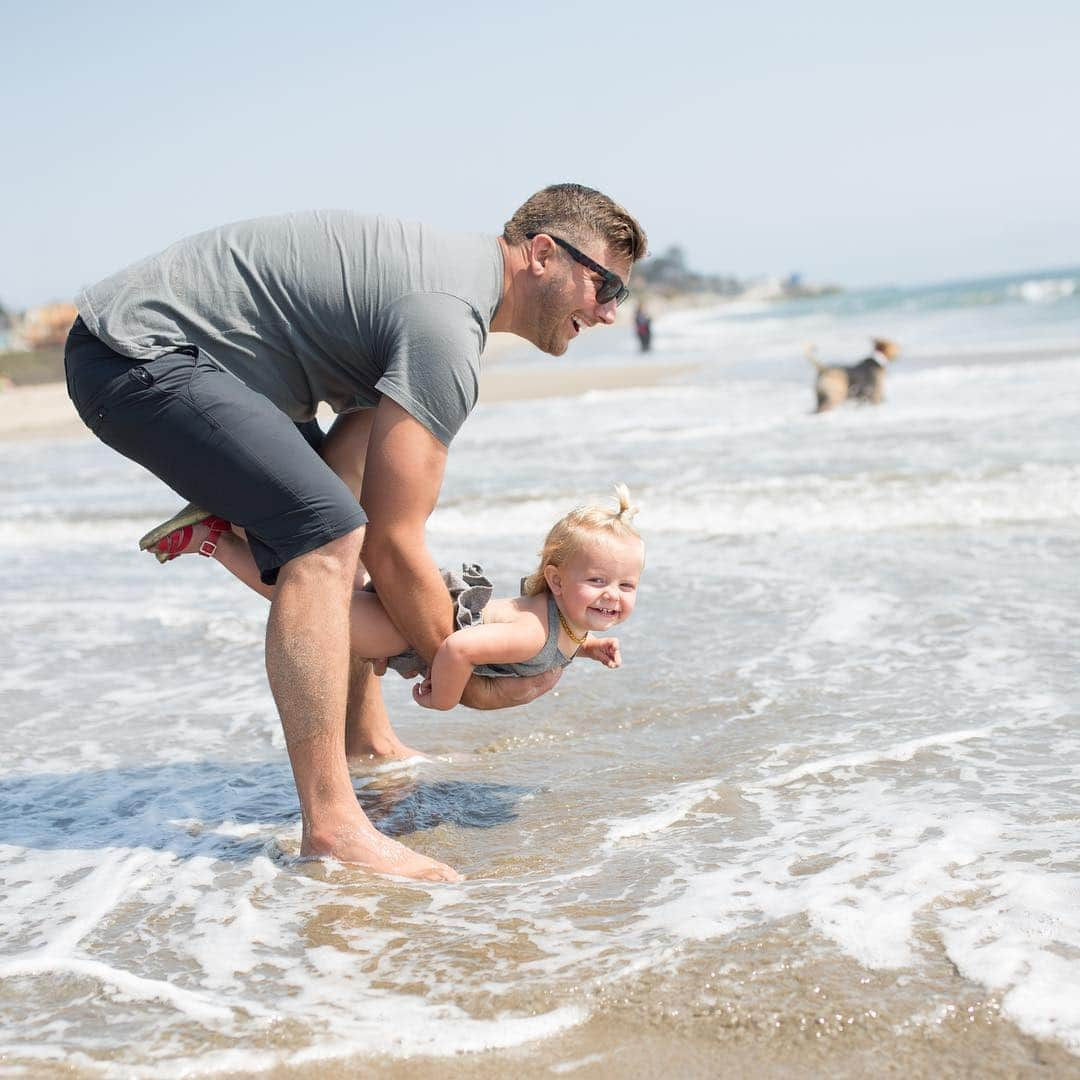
{"x": 489, "y": 643}
{"x": 604, "y": 650}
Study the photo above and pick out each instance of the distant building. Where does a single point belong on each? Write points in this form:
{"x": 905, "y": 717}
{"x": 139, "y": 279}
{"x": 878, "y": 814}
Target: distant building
{"x": 41, "y": 327}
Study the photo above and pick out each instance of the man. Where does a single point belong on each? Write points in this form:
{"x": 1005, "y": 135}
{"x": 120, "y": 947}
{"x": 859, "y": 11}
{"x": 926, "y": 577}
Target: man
{"x": 199, "y": 363}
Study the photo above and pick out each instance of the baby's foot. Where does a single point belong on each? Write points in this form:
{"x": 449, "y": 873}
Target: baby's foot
{"x": 191, "y": 530}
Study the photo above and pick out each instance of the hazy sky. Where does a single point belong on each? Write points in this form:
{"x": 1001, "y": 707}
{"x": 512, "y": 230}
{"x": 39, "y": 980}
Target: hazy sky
{"x": 857, "y": 142}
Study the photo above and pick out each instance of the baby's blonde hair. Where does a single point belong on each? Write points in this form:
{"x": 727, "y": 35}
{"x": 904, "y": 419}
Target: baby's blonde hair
{"x": 570, "y": 533}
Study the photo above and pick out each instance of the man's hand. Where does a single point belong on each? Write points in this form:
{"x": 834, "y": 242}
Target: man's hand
{"x": 482, "y": 692}
{"x": 603, "y": 650}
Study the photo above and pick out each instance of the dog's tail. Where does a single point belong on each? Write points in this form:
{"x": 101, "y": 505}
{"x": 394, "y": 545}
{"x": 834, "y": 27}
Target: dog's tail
{"x": 810, "y": 350}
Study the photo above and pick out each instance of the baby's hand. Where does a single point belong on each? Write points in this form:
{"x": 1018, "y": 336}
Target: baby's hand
{"x": 603, "y": 650}
{"x": 421, "y": 693}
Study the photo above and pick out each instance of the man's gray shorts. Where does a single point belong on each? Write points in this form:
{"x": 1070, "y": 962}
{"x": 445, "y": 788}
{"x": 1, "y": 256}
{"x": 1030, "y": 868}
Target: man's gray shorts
{"x": 215, "y": 442}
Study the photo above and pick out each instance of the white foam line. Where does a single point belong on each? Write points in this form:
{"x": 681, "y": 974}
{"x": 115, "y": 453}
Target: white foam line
{"x": 409, "y": 764}
{"x": 579, "y": 1063}
{"x": 902, "y": 752}
{"x": 195, "y": 1005}
{"x": 470, "y": 1037}
{"x": 106, "y": 885}
{"x": 676, "y": 806}
{"x": 234, "y": 830}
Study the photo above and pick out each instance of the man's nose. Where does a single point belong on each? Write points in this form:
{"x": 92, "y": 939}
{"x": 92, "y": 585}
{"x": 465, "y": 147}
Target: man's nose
{"x": 605, "y": 313}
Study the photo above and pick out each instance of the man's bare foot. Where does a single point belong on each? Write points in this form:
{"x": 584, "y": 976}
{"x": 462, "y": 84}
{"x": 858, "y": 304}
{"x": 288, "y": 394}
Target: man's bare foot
{"x": 367, "y": 847}
{"x": 374, "y": 752}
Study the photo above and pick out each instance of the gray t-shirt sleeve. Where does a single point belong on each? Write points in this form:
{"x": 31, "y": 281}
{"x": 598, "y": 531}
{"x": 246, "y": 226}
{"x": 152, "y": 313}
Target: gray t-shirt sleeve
{"x": 432, "y": 343}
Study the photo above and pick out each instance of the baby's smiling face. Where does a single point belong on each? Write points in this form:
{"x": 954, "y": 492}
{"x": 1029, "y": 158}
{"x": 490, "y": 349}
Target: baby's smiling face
{"x": 596, "y": 588}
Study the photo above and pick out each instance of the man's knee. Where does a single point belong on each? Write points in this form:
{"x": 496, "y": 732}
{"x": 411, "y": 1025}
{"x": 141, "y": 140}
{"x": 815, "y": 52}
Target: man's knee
{"x": 337, "y": 559}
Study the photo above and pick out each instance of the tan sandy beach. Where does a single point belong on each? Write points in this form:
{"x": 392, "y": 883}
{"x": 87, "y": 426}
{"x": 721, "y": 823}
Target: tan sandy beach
{"x": 45, "y": 412}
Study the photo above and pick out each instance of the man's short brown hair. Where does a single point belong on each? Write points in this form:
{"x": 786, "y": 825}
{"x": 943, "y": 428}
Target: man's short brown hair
{"x": 578, "y": 214}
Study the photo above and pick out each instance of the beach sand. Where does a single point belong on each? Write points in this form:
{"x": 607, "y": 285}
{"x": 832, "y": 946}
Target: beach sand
{"x": 44, "y": 411}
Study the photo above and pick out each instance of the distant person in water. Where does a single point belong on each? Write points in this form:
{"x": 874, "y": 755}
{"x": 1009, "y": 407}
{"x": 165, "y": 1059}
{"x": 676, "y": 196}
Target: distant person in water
{"x": 586, "y": 581}
{"x": 643, "y": 327}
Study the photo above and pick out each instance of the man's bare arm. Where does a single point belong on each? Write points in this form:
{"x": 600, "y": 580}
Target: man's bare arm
{"x": 484, "y": 693}
{"x": 403, "y": 475}
{"x": 402, "y": 478}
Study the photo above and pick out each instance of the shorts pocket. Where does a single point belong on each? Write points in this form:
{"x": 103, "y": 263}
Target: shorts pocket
{"x": 171, "y": 373}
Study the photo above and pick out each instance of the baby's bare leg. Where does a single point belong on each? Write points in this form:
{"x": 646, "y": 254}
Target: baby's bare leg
{"x": 372, "y": 634}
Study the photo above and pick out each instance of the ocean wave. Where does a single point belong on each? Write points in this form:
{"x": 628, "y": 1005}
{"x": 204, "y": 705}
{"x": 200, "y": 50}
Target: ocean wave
{"x": 901, "y": 752}
{"x": 1044, "y": 290}
{"x": 866, "y": 502}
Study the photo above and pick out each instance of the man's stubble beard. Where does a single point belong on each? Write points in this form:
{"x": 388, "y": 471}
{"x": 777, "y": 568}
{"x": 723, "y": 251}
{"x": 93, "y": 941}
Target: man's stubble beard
{"x": 551, "y": 321}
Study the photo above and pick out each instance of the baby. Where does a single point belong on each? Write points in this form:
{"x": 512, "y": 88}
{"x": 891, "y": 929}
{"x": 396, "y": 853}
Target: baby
{"x": 586, "y": 581}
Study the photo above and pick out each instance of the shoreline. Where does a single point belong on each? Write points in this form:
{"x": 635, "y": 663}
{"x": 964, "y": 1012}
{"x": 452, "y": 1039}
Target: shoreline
{"x": 41, "y": 410}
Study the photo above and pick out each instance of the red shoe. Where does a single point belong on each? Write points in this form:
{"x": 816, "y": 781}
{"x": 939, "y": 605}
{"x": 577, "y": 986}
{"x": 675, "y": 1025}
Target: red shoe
{"x": 172, "y": 537}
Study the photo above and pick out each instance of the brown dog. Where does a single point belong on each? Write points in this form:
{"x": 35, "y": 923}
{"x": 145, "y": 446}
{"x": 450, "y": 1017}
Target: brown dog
{"x": 864, "y": 381}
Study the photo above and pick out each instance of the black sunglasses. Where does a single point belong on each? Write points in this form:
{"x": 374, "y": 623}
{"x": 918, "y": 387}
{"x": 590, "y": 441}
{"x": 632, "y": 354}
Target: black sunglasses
{"x": 613, "y": 287}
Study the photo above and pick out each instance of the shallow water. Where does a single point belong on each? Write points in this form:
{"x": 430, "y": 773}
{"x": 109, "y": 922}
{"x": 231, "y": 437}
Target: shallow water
{"x": 825, "y": 817}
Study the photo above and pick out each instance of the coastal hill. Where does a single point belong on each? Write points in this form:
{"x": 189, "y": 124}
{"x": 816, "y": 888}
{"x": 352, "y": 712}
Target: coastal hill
{"x": 667, "y": 275}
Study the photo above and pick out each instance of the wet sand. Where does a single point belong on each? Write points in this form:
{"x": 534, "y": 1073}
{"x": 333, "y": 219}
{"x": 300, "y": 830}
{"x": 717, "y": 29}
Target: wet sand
{"x": 760, "y": 1007}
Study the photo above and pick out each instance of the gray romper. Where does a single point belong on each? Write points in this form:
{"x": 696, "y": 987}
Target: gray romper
{"x": 471, "y": 592}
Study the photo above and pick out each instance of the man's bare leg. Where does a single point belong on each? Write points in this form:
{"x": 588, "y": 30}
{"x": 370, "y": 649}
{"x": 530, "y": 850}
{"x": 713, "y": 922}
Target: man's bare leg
{"x": 307, "y": 661}
{"x": 369, "y": 737}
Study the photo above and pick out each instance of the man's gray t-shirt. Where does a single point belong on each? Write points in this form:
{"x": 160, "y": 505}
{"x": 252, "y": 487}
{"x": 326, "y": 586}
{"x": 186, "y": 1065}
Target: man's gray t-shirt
{"x": 327, "y": 306}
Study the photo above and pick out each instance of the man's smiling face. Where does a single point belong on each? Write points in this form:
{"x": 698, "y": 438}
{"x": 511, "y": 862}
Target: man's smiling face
{"x": 567, "y": 301}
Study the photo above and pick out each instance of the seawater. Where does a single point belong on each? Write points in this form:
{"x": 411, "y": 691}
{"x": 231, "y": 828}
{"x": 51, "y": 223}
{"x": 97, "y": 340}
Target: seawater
{"x": 827, "y": 811}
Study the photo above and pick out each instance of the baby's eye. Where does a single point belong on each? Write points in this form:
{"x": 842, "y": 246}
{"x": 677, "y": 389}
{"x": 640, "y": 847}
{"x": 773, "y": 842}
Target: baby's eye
{"x": 597, "y": 581}
{"x": 628, "y": 586}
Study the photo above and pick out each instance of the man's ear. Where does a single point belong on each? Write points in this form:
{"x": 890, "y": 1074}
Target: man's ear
{"x": 554, "y": 582}
{"x": 541, "y": 251}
